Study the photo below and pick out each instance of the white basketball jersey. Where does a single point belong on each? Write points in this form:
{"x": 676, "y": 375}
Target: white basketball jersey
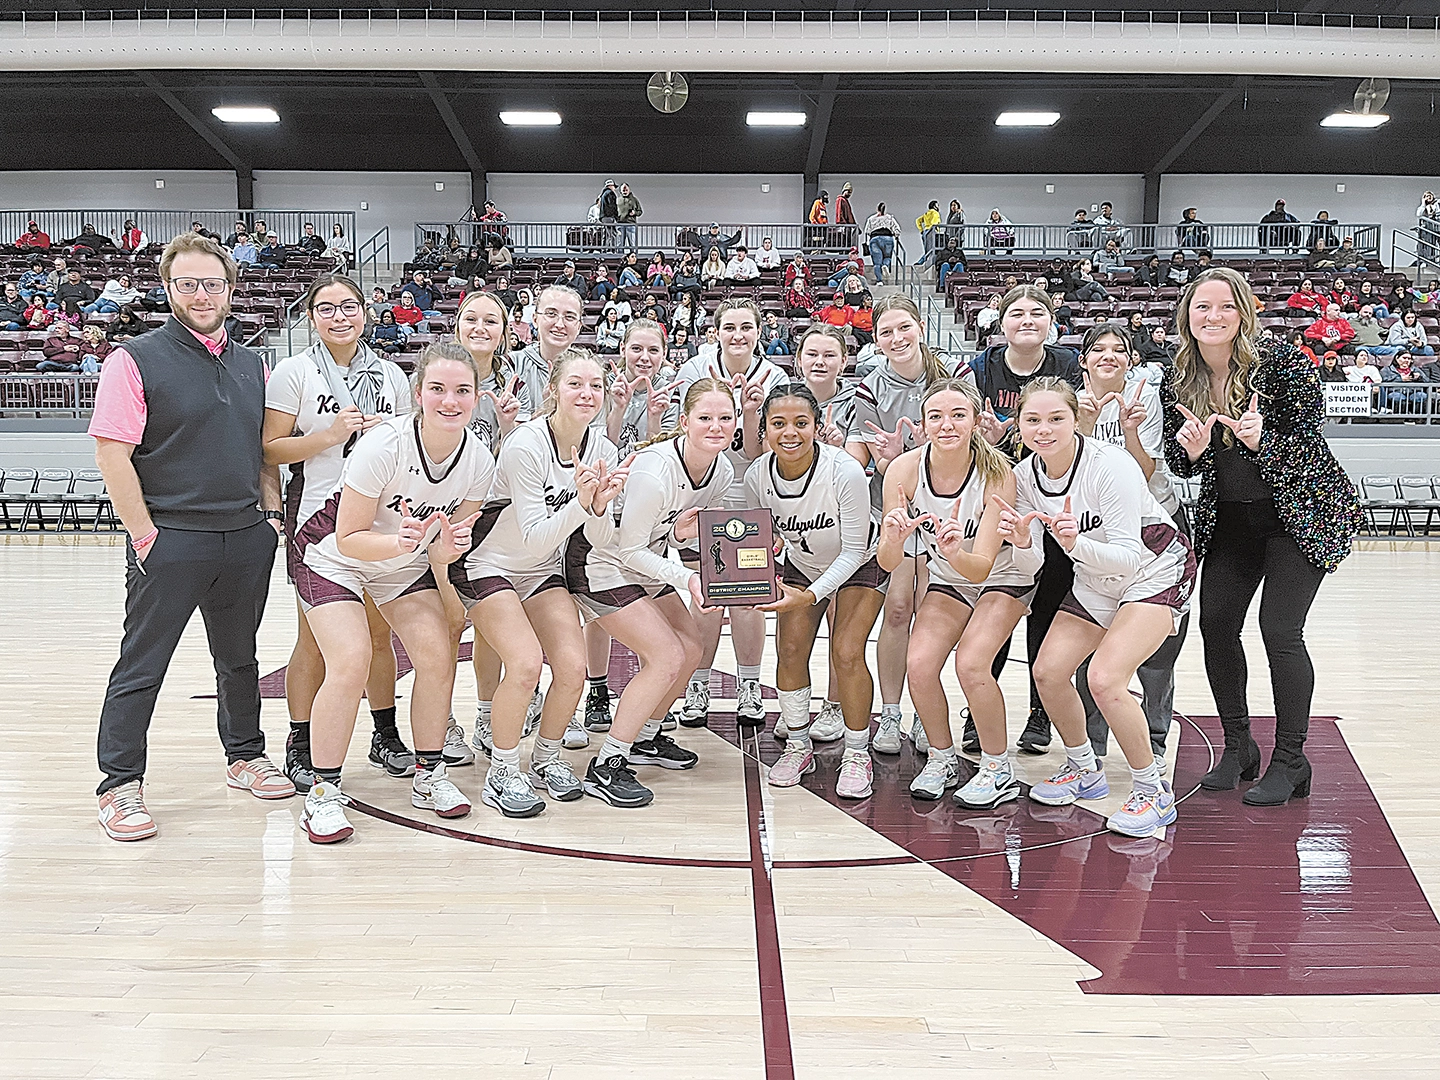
{"x": 1109, "y": 430}
{"x": 1011, "y": 567}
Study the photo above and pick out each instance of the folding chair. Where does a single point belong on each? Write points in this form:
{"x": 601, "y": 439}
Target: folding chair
{"x": 1419, "y": 494}
{"x": 88, "y": 490}
{"x": 51, "y": 488}
{"x": 15, "y": 488}
{"x": 1381, "y": 493}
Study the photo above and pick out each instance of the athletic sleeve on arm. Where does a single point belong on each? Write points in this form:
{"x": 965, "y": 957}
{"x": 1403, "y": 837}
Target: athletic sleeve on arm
{"x": 854, "y": 495}
{"x": 286, "y": 385}
{"x": 120, "y": 410}
{"x": 1120, "y": 493}
{"x": 644, "y": 507}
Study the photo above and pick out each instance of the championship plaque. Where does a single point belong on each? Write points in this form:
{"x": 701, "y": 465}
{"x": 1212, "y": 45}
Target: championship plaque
{"x": 737, "y": 558}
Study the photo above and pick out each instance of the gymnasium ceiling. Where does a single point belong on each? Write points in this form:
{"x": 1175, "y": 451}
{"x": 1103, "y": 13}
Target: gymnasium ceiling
{"x": 1110, "y": 122}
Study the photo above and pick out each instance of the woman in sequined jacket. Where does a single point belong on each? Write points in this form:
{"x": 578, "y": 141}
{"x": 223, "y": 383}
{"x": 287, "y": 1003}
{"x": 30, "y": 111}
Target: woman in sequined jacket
{"x": 1276, "y": 513}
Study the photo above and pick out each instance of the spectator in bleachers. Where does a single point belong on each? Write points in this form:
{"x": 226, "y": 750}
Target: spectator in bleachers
{"x": 89, "y": 239}
{"x": 659, "y": 274}
{"x": 1192, "y": 232}
{"x": 1137, "y": 331}
{"x": 156, "y": 299}
{"x": 1273, "y": 231}
{"x": 1157, "y": 350}
{"x": 951, "y": 261}
{"x": 796, "y": 265}
{"x": 854, "y": 290}
{"x": 1082, "y": 286}
{"x": 1001, "y": 233}
{"x": 608, "y": 334}
{"x": 772, "y": 336}
{"x": 379, "y": 302}
{"x": 505, "y": 292}
{"x": 629, "y": 277}
{"x": 38, "y": 315}
{"x": 844, "y": 270}
{"x": 797, "y": 299}
{"x": 1110, "y": 260}
{"x": 1300, "y": 343}
{"x": 471, "y": 264}
{"x": 1349, "y": 258}
{"x": 408, "y": 314}
{"x": 1367, "y": 294}
{"x": 127, "y": 325}
{"x": 681, "y": 349}
{"x": 987, "y": 318}
{"x": 843, "y": 214}
{"x": 12, "y": 308}
{"x": 475, "y": 284}
{"x": 498, "y": 255}
{"x": 881, "y": 230}
{"x": 339, "y": 249}
{"x": 34, "y": 237}
{"x": 1151, "y": 274}
{"x": 712, "y": 271}
{"x": 526, "y": 302}
{"x": 1204, "y": 260}
{"x": 619, "y": 302}
{"x": 741, "y": 267}
{"x": 1321, "y": 257}
{"x": 1340, "y": 294}
{"x": 132, "y": 238}
{"x": 862, "y": 320}
{"x": 522, "y": 333}
{"x": 198, "y": 228}
{"x": 1369, "y": 334}
{"x": 1176, "y": 272}
{"x": 74, "y": 294}
{"x": 58, "y": 275}
{"x": 627, "y": 212}
{"x": 241, "y": 229}
{"x": 34, "y": 280}
{"x": 423, "y": 292}
{"x": 1111, "y": 228}
{"x": 1331, "y": 331}
{"x": 388, "y": 336}
{"x": 767, "y": 258}
{"x": 244, "y": 251}
{"x": 687, "y": 275}
{"x": 928, "y": 223}
{"x": 310, "y": 244}
{"x": 61, "y": 349}
{"x": 1322, "y": 230}
{"x": 601, "y": 286}
{"x": 273, "y": 255}
{"x": 1331, "y": 369}
{"x": 1309, "y": 301}
{"x": 685, "y": 316}
{"x": 93, "y": 350}
{"x": 1363, "y": 370}
{"x": 117, "y": 291}
{"x": 1409, "y": 334}
{"x": 955, "y": 223}
{"x": 714, "y": 238}
{"x": 1080, "y": 235}
{"x": 709, "y": 350}
{"x": 1063, "y": 317}
{"x": 1402, "y": 370}
{"x": 835, "y": 313}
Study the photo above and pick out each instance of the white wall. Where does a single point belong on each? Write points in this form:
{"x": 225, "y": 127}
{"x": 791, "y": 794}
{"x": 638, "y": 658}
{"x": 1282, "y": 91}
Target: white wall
{"x": 105, "y": 189}
{"x": 396, "y": 199}
{"x": 1390, "y": 200}
{"x": 1021, "y": 198}
{"x": 678, "y": 198}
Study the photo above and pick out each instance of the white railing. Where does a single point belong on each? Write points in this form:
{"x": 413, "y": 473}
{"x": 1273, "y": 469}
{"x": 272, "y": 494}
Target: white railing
{"x": 162, "y": 226}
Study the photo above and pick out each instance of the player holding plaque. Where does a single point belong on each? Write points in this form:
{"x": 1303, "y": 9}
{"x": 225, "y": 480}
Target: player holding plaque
{"x": 821, "y": 502}
{"x": 737, "y": 558}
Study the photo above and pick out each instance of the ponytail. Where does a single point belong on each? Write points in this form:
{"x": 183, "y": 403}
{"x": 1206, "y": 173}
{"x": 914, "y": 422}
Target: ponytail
{"x": 990, "y": 463}
{"x": 698, "y": 389}
{"x": 934, "y": 369}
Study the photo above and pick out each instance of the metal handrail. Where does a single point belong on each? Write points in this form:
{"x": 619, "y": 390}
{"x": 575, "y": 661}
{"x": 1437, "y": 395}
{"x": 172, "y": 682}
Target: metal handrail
{"x": 644, "y": 238}
{"x": 1423, "y": 247}
{"x": 161, "y": 226}
{"x": 295, "y": 314}
{"x": 1228, "y": 238}
{"x": 376, "y": 244}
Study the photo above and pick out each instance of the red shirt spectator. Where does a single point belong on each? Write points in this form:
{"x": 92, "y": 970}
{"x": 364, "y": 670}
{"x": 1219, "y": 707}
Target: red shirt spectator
{"x": 37, "y": 315}
{"x": 837, "y": 312}
{"x": 863, "y": 318}
{"x": 1307, "y": 299}
{"x": 34, "y": 238}
{"x": 1342, "y": 296}
{"x": 1331, "y": 330}
{"x": 797, "y": 299}
{"x": 407, "y": 313}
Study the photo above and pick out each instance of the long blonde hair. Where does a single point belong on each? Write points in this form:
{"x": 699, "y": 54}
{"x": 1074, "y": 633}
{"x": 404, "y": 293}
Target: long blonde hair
{"x": 990, "y": 463}
{"x": 698, "y": 389}
{"x": 566, "y": 360}
{"x": 934, "y": 370}
{"x": 500, "y": 358}
{"x": 1192, "y": 376}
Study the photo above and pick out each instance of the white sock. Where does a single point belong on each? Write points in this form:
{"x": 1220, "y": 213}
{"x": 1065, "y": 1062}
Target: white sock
{"x": 890, "y": 712}
{"x": 749, "y": 672}
{"x": 508, "y": 758}
{"x": 612, "y": 747}
{"x": 1082, "y": 756}
{"x": 795, "y": 713}
{"x": 1146, "y": 780}
{"x": 999, "y": 762}
{"x": 701, "y": 678}
{"x": 948, "y": 754}
{"x": 545, "y": 750}
{"x": 857, "y": 742}
{"x": 650, "y": 730}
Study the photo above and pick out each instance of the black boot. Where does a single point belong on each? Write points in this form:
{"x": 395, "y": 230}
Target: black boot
{"x": 1288, "y": 774}
{"x": 1241, "y": 760}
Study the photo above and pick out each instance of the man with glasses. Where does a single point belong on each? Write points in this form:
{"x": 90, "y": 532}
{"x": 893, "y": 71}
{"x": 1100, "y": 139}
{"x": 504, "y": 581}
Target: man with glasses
{"x": 177, "y": 427}
{"x": 558, "y": 312}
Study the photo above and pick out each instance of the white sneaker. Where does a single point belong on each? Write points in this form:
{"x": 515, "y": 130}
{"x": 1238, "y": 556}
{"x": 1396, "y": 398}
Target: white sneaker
{"x": 829, "y": 725}
{"x": 989, "y": 787}
{"x": 558, "y": 778}
{"x": 937, "y": 777}
{"x": 887, "y": 739}
{"x": 748, "y": 706}
{"x": 455, "y": 750}
{"x": 431, "y": 790}
{"x": 510, "y": 792}
{"x": 482, "y": 739}
{"x": 918, "y": 737}
{"x": 696, "y": 712}
{"x": 323, "y": 818}
{"x": 532, "y": 714}
{"x": 575, "y": 737}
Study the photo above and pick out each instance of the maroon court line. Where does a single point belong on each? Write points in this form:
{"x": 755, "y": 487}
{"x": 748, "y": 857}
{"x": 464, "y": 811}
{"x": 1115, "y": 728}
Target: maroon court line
{"x": 774, "y": 1015}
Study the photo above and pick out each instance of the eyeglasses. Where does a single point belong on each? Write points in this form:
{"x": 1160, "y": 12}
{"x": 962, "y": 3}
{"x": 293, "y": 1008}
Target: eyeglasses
{"x": 350, "y": 308}
{"x": 187, "y": 286}
{"x": 554, "y": 313}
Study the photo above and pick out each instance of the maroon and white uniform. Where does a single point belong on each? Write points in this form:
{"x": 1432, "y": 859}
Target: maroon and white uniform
{"x": 390, "y": 465}
{"x": 1128, "y": 550}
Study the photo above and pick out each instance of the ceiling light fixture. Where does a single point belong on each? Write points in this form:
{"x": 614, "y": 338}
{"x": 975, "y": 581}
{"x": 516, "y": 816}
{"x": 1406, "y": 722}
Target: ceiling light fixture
{"x": 775, "y": 119}
{"x": 245, "y": 114}
{"x": 1027, "y": 119}
{"x": 521, "y": 118}
{"x": 1355, "y": 120}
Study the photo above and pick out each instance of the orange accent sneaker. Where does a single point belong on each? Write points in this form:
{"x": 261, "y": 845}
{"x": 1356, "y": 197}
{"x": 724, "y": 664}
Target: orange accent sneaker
{"x": 261, "y": 778}
{"x": 123, "y": 815}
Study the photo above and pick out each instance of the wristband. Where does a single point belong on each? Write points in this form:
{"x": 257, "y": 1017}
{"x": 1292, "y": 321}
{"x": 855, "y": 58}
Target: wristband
{"x": 144, "y": 541}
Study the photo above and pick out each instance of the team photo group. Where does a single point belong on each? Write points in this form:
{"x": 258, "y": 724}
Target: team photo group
{"x": 552, "y": 497}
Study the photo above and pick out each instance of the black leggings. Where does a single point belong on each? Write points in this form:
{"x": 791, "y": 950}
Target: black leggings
{"x": 1051, "y": 587}
{"x": 1250, "y": 550}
